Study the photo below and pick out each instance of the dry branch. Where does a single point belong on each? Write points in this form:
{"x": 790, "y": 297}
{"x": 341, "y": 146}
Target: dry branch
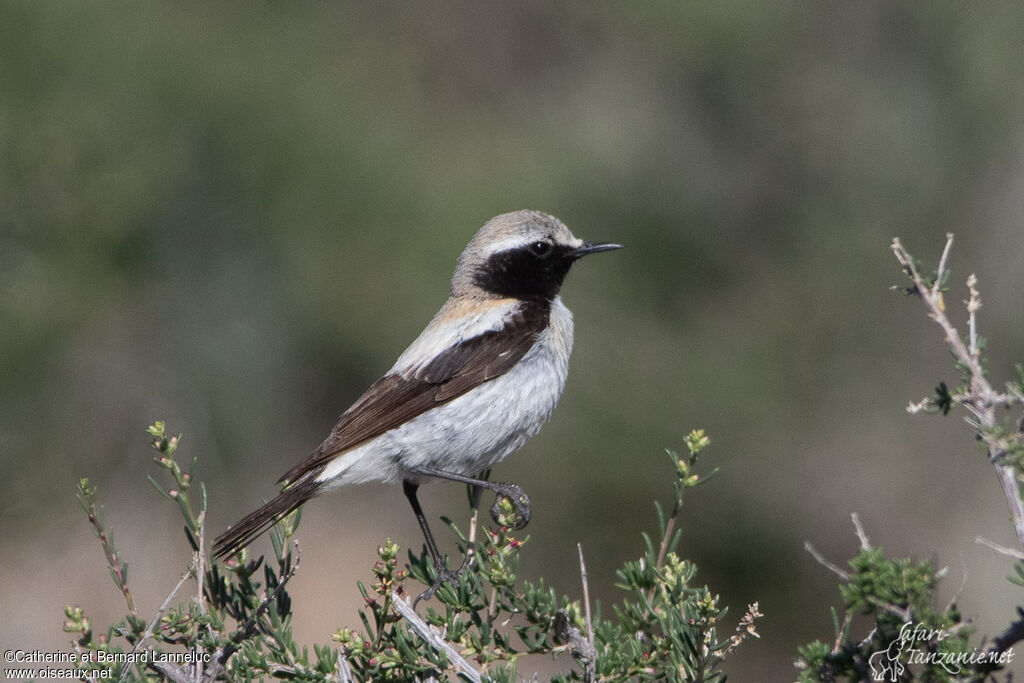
{"x": 979, "y": 399}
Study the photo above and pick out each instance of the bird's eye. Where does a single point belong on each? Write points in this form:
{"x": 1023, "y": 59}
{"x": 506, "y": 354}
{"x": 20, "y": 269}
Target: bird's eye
{"x": 541, "y": 249}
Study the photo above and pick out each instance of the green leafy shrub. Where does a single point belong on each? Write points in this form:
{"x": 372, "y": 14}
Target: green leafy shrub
{"x": 237, "y": 625}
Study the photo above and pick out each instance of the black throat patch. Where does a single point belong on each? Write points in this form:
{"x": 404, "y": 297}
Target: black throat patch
{"x": 522, "y": 274}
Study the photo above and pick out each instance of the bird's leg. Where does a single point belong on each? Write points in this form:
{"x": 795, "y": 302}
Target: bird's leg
{"x": 502, "y": 490}
{"x": 440, "y": 566}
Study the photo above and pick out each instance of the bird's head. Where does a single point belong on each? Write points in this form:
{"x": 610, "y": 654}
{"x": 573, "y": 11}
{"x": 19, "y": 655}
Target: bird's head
{"x": 523, "y": 254}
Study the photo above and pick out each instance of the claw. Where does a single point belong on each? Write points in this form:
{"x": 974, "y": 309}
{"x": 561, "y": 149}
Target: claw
{"x": 444, "y": 575}
{"x": 515, "y": 494}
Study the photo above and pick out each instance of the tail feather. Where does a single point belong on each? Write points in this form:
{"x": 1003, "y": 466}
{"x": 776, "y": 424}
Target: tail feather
{"x": 257, "y": 522}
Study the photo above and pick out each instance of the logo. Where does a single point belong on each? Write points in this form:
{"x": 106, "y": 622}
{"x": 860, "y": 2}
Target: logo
{"x": 885, "y": 664}
{"x": 911, "y": 647}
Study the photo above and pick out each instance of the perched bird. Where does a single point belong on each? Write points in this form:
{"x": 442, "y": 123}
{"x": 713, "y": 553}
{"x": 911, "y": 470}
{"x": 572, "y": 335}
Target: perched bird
{"x": 478, "y": 382}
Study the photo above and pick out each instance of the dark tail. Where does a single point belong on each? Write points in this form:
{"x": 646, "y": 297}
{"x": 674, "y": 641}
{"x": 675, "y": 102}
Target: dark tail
{"x": 257, "y": 522}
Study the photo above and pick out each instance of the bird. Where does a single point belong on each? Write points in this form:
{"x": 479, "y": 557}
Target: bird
{"x": 480, "y": 380}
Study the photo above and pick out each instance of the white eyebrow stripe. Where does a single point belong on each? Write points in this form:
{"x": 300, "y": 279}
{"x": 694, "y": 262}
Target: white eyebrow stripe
{"x": 515, "y": 241}
{"x": 506, "y": 243}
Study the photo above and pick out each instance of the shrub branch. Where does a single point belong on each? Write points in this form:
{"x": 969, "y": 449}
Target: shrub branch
{"x": 978, "y": 396}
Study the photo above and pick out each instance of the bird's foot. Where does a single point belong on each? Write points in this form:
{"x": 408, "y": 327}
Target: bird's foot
{"x": 444, "y": 575}
{"x": 520, "y": 501}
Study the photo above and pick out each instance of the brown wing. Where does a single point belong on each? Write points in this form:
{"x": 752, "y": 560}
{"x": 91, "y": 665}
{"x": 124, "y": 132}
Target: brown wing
{"x": 393, "y": 400}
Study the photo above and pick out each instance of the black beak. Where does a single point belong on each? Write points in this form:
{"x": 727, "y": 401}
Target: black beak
{"x": 592, "y": 248}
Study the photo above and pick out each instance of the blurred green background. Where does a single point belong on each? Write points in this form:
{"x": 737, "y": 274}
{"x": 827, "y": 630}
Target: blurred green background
{"x": 235, "y": 216}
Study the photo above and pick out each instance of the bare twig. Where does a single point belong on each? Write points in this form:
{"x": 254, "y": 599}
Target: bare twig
{"x": 1001, "y": 549}
{"x": 941, "y": 270}
{"x": 824, "y": 562}
{"x": 474, "y": 523}
{"x": 844, "y": 630}
{"x": 468, "y": 559}
{"x": 973, "y": 304}
{"x": 960, "y": 589}
{"x": 865, "y": 543}
{"x": 670, "y": 527}
{"x": 866, "y": 640}
{"x": 404, "y": 608}
{"x": 492, "y": 605}
{"x": 981, "y": 399}
{"x": 200, "y": 567}
{"x": 200, "y": 561}
{"x": 586, "y": 596}
{"x": 904, "y": 613}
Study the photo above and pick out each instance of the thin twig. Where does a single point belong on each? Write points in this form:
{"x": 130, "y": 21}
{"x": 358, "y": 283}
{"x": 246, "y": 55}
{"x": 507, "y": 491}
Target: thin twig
{"x": 670, "y": 527}
{"x": 904, "y": 613}
{"x": 963, "y": 584}
{"x": 973, "y": 304}
{"x": 492, "y": 605}
{"x": 474, "y": 497}
{"x": 866, "y": 640}
{"x": 824, "y": 562}
{"x": 941, "y": 270}
{"x": 201, "y": 561}
{"x": 404, "y": 608}
{"x": 1001, "y": 549}
{"x": 586, "y": 596}
{"x": 865, "y": 543}
{"x": 200, "y": 564}
{"x": 844, "y": 630}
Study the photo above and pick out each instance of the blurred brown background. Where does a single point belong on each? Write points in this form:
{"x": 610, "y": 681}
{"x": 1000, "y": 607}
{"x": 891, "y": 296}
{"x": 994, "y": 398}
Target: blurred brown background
{"x": 233, "y": 217}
